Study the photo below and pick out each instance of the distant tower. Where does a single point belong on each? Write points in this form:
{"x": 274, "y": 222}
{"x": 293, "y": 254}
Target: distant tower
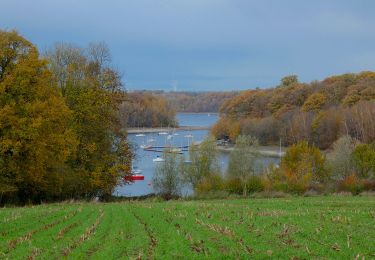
{"x": 174, "y": 85}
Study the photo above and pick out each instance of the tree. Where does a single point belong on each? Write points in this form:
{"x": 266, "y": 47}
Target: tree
{"x": 167, "y": 181}
{"x": 203, "y": 162}
{"x": 242, "y": 160}
{"x": 340, "y": 158}
{"x": 35, "y": 134}
{"x": 303, "y": 165}
{"x": 314, "y": 103}
{"x": 94, "y": 98}
{"x": 289, "y": 81}
{"x": 364, "y": 159}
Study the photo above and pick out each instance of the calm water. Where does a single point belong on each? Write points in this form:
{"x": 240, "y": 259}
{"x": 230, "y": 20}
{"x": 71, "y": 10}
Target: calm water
{"x": 144, "y": 159}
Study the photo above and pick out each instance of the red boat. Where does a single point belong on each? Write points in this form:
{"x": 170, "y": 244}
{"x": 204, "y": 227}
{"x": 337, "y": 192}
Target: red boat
{"x": 135, "y": 177}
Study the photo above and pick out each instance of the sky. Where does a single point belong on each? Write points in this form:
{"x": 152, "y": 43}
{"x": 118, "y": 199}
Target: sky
{"x": 207, "y": 45}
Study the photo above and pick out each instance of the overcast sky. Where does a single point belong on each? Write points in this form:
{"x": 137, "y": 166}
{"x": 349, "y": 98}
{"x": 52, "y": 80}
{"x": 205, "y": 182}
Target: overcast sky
{"x": 208, "y": 44}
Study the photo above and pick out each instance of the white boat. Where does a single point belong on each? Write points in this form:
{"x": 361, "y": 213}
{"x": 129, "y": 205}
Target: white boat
{"x": 176, "y": 150}
{"x": 145, "y": 147}
{"x": 158, "y": 159}
{"x": 140, "y": 135}
{"x": 136, "y": 171}
{"x": 163, "y": 133}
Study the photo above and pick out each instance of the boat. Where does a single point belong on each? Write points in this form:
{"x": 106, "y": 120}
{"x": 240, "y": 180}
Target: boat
{"x": 134, "y": 177}
{"x": 163, "y": 133}
{"x": 146, "y": 147}
{"x": 140, "y": 135}
{"x": 158, "y": 159}
{"x": 176, "y": 150}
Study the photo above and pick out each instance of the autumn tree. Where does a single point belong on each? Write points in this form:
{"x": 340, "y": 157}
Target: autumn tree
{"x": 289, "y": 80}
{"x": 36, "y": 138}
{"x": 303, "y": 165}
{"x": 93, "y": 92}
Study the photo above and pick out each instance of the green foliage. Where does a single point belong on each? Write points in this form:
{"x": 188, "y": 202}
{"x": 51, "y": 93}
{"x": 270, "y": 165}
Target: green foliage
{"x": 209, "y": 184}
{"x": 242, "y": 160}
{"x": 364, "y": 159}
{"x": 203, "y": 162}
{"x": 167, "y": 181}
{"x": 254, "y": 184}
{"x": 289, "y": 80}
{"x": 340, "y": 159}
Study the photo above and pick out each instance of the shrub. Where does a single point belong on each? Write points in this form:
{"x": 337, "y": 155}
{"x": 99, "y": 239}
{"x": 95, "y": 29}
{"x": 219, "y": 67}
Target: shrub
{"x": 303, "y": 165}
{"x": 340, "y": 158}
{"x": 242, "y": 160}
{"x": 254, "y": 184}
{"x": 211, "y": 183}
{"x": 234, "y": 185}
{"x": 368, "y": 185}
{"x": 364, "y": 159}
{"x": 167, "y": 181}
{"x": 351, "y": 184}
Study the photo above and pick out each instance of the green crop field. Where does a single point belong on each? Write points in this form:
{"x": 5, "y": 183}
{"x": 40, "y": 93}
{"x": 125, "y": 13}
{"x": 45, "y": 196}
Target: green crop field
{"x": 331, "y": 227}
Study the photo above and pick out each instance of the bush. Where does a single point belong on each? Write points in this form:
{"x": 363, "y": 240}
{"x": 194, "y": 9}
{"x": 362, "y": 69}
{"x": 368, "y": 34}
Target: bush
{"x": 368, "y": 185}
{"x": 234, "y": 185}
{"x": 351, "y": 184}
{"x": 211, "y": 183}
{"x": 303, "y": 165}
{"x": 254, "y": 184}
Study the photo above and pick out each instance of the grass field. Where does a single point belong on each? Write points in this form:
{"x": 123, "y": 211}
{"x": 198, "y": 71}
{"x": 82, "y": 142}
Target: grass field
{"x": 294, "y": 228}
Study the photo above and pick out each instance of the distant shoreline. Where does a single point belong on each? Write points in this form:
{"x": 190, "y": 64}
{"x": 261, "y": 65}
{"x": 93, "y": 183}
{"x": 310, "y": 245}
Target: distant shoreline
{"x": 211, "y": 113}
{"x": 164, "y": 129}
{"x": 267, "y": 151}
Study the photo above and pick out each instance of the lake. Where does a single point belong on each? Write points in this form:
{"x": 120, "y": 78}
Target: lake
{"x": 144, "y": 159}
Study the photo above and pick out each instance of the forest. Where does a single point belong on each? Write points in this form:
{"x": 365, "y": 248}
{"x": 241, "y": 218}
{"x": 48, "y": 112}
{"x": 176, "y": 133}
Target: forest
{"x": 196, "y": 102}
{"x": 145, "y": 109}
{"x": 60, "y": 134}
{"x": 319, "y": 112}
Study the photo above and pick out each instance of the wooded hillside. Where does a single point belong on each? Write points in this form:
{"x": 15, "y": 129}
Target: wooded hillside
{"x": 196, "y": 102}
{"x": 320, "y": 111}
{"x": 144, "y": 109}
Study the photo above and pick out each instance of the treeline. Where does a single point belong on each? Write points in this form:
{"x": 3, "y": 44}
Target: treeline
{"x": 60, "y": 135}
{"x": 196, "y": 102}
{"x": 304, "y": 169}
{"x": 145, "y": 109}
{"x": 319, "y": 112}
